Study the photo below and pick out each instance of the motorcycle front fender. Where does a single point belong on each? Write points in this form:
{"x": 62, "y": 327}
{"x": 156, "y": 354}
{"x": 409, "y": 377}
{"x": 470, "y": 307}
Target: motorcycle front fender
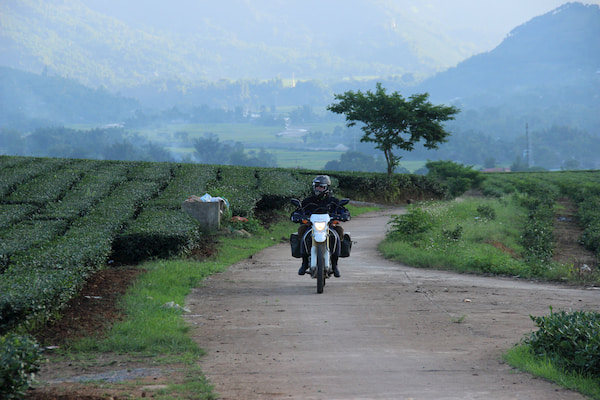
{"x": 313, "y": 255}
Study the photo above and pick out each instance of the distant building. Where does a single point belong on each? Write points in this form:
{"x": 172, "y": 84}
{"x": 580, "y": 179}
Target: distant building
{"x": 507, "y": 169}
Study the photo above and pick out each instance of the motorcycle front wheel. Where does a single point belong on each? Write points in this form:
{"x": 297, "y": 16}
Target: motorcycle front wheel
{"x": 320, "y": 268}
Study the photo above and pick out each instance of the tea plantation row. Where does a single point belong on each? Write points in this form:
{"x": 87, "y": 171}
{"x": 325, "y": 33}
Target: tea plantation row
{"x": 543, "y": 190}
{"x": 63, "y": 219}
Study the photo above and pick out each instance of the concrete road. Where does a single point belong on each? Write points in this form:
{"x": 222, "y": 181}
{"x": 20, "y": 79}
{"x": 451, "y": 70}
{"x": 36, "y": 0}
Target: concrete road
{"x": 381, "y": 331}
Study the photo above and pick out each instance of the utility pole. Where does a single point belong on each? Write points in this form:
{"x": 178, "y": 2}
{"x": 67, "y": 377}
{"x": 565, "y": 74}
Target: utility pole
{"x": 528, "y": 150}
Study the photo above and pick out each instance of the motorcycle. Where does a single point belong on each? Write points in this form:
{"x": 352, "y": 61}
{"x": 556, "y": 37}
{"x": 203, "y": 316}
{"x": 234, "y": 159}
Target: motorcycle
{"x": 321, "y": 242}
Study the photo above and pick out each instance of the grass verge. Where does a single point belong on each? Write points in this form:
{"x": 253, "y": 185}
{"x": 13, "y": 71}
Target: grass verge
{"x": 522, "y": 358}
{"x": 474, "y": 234}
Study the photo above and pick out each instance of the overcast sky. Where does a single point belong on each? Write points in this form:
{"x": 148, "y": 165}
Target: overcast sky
{"x": 483, "y": 22}
{"x": 502, "y": 15}
{"x": 498, "y": 17}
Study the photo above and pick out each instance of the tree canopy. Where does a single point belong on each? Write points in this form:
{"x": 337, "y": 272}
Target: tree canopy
{"x": 393, "y": 122}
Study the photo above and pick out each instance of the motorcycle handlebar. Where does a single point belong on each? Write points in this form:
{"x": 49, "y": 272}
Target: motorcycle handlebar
{"x": 333, "y": 209}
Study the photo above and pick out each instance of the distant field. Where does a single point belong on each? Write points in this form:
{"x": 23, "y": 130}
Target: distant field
{"x": 179, "y": 138}
{"x": 253, "y": 137}
{"x": 305, "y": 159}
{"x": 249, "y": 134}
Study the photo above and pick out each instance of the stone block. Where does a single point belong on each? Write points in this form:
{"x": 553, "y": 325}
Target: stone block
{"x": 208, "y": 214}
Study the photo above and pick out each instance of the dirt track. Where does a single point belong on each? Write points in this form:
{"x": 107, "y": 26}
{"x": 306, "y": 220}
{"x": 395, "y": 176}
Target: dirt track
{"x": 381, "y": 331}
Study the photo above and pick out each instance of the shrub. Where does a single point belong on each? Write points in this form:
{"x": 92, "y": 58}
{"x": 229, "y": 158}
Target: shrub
{"x": 589, "y": 216}
{"x": 410, "y": 227}
{"x": 538, "y": 234}
{"x": 486, "y": 212}
{"x": 19, "y": 361}
{"x": 453, "y": 235}
{"x": 81, "y": 198}
{"x": 458, "y": 177}
{"x": 570, "y": 339}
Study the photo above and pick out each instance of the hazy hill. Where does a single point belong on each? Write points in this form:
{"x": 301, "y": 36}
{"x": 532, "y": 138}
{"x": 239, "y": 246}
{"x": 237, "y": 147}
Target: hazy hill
{"x": 30, "y": 100}
{"x": 126, "y": 43}
{"x": 558, "y": 50}
{"x": 545, "y": 72}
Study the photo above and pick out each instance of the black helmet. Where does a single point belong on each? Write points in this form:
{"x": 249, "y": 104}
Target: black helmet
{"x": 321, "y": 185}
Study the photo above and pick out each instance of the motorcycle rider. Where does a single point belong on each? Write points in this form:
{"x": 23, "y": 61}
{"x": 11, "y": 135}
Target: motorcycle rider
{"x": 322, "y": 197}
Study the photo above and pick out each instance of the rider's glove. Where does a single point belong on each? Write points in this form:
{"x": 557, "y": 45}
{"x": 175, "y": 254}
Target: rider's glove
{"x": 296, "y": 217}
{"x": 344, "y": 215}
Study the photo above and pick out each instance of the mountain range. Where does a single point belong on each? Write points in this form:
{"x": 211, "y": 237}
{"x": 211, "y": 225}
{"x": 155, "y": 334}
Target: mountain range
{"x": 559, "y": 49}
{"x": 119, "y": 44}
{"x": 545, "y": 72}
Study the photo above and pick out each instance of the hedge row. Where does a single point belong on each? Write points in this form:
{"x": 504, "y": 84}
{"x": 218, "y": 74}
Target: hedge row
{"x": 14, "y": 174}
{"x": 393, "y": 190}
{"x": 41, "y": 280}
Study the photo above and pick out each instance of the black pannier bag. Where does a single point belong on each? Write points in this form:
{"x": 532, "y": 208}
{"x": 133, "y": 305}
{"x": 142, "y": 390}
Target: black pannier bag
{"x": 346, "y": 246}
{"x": 295, "y": 245}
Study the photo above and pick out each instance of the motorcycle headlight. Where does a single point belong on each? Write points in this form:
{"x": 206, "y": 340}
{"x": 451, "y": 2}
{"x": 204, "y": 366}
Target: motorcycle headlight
{"x": 320, "y": 225}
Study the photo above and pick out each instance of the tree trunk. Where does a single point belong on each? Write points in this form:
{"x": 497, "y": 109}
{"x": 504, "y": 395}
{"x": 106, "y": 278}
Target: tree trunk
{"x": 389, "y": 158}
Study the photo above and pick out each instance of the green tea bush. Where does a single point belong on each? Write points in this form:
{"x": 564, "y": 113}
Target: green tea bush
{"x": 12, "y": 161}
{"x": 31, "y": 296}
{"x": 276, "y": 182}
{"x": 486, "y": 212}
{"x": 537, "y": 238}
{"x": 382, "y": 188}
{"x": 277, "y": 187}
{"x": 19, "y": 361}
{"x": 29, "y": 234}
{"x": 589, "y": 217}
{"x": 496, "y": 185}
{"x": 47, "y": 187}
{"x": 189, "y": 180}
{"x": 458, "y": 177}
{"x": 412, "y": 226}
{"x": 95, "y": 185}
{"x": 41, "y": 280}
{"x": 571, "y": 340}
{"x": 11, "y": 214}
{"x": 239, "y": 186}
{"x": 14, "y": 174}
{"x": 155, "y": 233}
{"x": 161, "y": 172}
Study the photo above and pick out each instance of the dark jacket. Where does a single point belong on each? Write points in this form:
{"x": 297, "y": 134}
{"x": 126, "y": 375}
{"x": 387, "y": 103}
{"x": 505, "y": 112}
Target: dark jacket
{"x": 311, "y": 203}
{"x": 314, "y": 202}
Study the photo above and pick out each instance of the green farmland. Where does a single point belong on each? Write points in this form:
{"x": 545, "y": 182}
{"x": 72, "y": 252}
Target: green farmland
{"x": 63, "y": 219}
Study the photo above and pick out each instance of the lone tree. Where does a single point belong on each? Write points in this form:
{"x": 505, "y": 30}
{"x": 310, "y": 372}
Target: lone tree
{"x": 393, "y": 122}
